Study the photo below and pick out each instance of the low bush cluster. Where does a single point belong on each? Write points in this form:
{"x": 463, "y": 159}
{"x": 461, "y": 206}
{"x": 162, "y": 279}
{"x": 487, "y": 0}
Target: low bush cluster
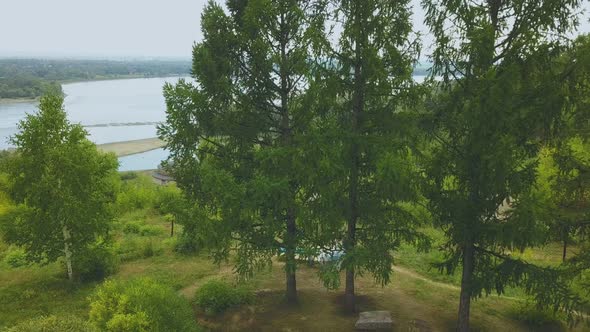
{"x": 217, "y": 296}
{"x": 15, "y": 257}
{"x": 140, "y": 305}
{"x": 96, "y": 263}
{"x": 132, "y": 228}
{"x": 143, "y": 230}
{"x": 135, "y": 247}
{"x": 149, "y": 249}
{"x": 137, "y": 193}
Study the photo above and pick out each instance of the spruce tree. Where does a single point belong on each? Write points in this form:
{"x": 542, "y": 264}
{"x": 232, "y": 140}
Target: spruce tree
{"x": 492, "y": 111}
{"x": 235, "y": 136}
{"x": 366, "y": 178}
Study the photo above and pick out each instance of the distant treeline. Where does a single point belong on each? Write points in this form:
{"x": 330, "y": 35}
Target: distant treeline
{"x": 30, "y": 78}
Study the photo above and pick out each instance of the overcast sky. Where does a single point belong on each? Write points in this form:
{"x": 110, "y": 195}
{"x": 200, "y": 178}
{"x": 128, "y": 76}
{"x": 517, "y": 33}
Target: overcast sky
{"x": 110, "y": 28}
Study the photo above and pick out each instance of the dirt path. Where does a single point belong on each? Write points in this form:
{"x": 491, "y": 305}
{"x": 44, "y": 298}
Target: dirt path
{"x": 189, "y": 291}
{"x": 414, "y": 275}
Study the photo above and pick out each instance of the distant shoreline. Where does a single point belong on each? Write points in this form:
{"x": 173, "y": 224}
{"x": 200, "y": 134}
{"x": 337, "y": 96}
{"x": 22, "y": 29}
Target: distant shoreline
{"x": 5, "y": 101}
{"x": 121, "y": 77}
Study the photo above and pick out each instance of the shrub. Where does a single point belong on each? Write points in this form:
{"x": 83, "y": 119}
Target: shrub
{"x": 134, "y": 247}
{"x": 150, "y": 230}
{"x": 216, "y": 296}
{"x": 149, "y": 250}
{"x": 169, "y": 199}
{"x": 16, "y": 257}
{"x": 140, "y": 305}
{"x": 186, "y": 245}
{"x": 126, "y": 176}
{"x": 136, "y": 194}
{"x": 143, "y": 230}
{"x": 128, "y": 248}
{"x": 53, "y": 324}
{"x": 132, "y": 228}
{"x": 95, "y": 263}
{"x": 537, "y": 317}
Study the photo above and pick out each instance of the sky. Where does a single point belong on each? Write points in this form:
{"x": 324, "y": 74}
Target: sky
{"x": 113, "y": 28}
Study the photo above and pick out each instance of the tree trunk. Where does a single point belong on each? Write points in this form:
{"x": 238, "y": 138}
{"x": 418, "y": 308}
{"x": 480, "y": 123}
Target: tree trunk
{"x": 291, "y": 264}
{"x": 68, "y": 251}
{"x": 465, "y": 297}
{"x": 564, "y": 248}
{"x": 172, "y": 228}
{"x": 349, "y": 296}
{"x": 358, "y": 101}
{"x": 286, "y": 140}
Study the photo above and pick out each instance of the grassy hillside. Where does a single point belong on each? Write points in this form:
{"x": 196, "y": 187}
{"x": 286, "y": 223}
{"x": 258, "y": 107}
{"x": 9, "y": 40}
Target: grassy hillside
{"x": 417, "y": 296}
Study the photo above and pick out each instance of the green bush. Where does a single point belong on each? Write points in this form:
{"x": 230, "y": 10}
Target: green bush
{"x": 53, "y": 324}
{"x": 95, "y": 263}
{"x": 126, "y": 176}
{"x": 537, "y": 317}
{"x": 143, "y": 230}
{"x": 169, "y": 199}
{"x": 136, "y": 194}
{"x": 16, "y": 257}
{"x": 132, "y": 228}
{"x": 216, "y": 296}
{"x": 149, "y": 249}
{"x": 134, "y": 247}
{"x": 140, "y": 305}
{"x": 129, "y": 248}
{"x": 150, "y": 230}
{"x": 185, "y": 245}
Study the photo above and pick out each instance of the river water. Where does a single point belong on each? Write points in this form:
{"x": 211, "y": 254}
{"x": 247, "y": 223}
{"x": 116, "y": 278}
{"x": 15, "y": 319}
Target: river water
{"x": 111, "y": 111}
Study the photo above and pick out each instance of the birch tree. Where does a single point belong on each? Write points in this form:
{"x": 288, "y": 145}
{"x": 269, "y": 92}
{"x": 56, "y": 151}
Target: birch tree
{"x": 62, "y": 186}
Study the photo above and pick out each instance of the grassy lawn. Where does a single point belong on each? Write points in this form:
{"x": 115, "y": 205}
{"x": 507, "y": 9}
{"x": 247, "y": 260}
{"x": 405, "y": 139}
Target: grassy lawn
{"x": 417, "y": 296}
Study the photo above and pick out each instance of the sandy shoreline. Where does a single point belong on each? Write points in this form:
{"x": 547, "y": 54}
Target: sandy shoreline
{"x": 132, "y": 147}
{"x": 5, "y": 101}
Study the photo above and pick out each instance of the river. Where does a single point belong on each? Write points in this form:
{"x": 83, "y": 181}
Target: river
{"x": 111, "y": 111}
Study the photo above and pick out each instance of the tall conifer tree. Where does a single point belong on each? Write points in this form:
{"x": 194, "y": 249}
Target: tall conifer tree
{"x": 494, "y": 108}
{"x": 235, "y": 137}
{"x": 366, "y": 176}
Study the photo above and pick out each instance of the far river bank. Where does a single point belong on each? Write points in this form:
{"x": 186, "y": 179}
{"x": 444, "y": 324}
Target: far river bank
{"x": 95, "y": 79}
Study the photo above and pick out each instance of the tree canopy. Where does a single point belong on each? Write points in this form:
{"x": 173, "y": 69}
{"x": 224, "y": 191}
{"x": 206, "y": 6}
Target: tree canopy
{"x": 362, "y": 148}
{"x": 62, "y": 186}
{"x": 500, "y": 96}
{"x": 236, "y": 137}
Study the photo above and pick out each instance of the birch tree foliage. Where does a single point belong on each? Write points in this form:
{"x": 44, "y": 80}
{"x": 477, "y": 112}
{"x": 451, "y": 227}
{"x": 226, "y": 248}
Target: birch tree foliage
{"x": 62, "y": 186}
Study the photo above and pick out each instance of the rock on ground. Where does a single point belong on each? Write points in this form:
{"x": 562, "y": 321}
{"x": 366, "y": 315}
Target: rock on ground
{"x": 374, "y": 321}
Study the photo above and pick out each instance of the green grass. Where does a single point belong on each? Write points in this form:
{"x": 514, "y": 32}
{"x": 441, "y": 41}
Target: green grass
{"x": 418, "y": 292}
